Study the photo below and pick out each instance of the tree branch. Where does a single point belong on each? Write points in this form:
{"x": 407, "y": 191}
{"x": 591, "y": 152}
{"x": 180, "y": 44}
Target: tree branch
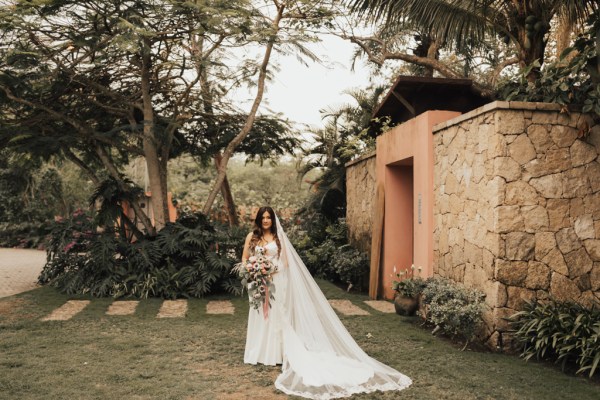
{"x": 86, "y": 168}
{"x": 500, "y": 67}
{"x": 87, "y": 132}
{"x": 432, "y": 63}
{"x": 228, "y": 152}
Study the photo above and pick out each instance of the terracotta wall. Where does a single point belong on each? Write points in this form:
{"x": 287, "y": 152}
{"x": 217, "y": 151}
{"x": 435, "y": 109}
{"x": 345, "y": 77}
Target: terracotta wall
{"x": 517, "y": 206}
{"x": 404, "y": 165}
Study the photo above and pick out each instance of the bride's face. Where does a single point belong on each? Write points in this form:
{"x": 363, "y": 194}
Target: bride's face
{"x": 266, "y": 221}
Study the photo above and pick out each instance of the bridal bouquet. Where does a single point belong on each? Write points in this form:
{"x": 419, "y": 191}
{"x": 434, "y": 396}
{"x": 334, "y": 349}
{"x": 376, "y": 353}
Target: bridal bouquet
{"x": 256, "y": 275}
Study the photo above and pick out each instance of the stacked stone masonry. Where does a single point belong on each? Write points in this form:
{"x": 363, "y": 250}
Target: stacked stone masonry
{"x": 360, "y": 197}
{"x": 517, "y": 206}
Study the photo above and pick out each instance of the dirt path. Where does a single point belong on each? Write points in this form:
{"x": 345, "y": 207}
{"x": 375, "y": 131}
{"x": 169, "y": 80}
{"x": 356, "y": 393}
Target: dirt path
{"x": 19, "y": 269}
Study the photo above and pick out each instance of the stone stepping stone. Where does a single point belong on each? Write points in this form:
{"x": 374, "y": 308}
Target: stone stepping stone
{"x": 220, "y": 307}
{"x": 67, "y": 310}
{"x": 347, "y": 308}
{"x": 125, "y": 307}
{"x": 173, "y": 309}
{"x": 382, "y": 306}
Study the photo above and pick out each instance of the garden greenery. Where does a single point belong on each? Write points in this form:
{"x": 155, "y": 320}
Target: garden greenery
{"x": 327, "y": 254}
{"x": 566, "y": 81}
{"x": 408, "y": 284}
{"x": 453, "y": 309}
{"x": 562, "y": 331}
{"x": 410, "y": 287}
{"x": 188, "y": 258}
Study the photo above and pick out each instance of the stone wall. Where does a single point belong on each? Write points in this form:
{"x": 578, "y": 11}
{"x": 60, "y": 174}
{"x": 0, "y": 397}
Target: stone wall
{"x": 360, "y": 198}
{"x": 517, "y": 206}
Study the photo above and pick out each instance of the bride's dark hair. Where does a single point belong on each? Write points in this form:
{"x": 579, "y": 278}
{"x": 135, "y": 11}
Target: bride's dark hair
{"x": 257, "y": 232}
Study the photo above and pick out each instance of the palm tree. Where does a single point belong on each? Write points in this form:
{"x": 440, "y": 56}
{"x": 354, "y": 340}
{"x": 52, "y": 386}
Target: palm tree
{"x": 349, "y": 129}
{"x": 463, "y": 23}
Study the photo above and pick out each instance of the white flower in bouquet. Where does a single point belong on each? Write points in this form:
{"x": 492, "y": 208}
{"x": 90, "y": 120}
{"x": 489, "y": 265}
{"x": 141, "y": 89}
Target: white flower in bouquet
{"x": 256, "y": 276}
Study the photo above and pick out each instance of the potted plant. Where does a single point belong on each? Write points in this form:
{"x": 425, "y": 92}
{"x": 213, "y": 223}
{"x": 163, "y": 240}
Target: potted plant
{"x": 408, "y": 287}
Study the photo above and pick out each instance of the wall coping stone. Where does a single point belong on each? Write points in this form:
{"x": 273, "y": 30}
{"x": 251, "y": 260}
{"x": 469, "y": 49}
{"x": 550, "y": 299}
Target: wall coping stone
{"x": 361, "y": 159}
{"x": 499, "y": 105}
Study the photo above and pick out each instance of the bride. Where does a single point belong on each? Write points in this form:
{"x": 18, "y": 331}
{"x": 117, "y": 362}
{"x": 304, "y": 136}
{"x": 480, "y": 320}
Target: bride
{"x": 319, "y": 358}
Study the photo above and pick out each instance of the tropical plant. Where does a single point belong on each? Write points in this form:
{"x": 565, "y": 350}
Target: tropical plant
{"x": 466, "y": 23}
{"x": 327, "y": 254}
{"x": 112, "y": 196}
{"x": 572, "y": 79}
{"x": 349, "y": 131}
{"x": 564, "y": 331}
{"x": 187, "y": 258}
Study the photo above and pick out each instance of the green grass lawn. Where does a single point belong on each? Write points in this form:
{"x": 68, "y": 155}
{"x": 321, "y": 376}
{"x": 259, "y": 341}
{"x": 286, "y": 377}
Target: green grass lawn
{"x": 94, "y": 356}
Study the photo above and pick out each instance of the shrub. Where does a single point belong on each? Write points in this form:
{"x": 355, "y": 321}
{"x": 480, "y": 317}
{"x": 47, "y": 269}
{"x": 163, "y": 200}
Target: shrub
{"x": 564, "y": 331}
{"x": 185, "y": 259}
{"x": 24, "y": 234}
{"x": 453, "y": 309}
{"x": 351, "y": 266}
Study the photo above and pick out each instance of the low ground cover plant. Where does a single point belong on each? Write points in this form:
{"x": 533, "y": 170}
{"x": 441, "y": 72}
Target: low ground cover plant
{"x": 565, "y": 332}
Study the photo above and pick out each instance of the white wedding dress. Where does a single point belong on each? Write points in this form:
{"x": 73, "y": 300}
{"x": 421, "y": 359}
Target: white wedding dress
{"x": 319, "y": 357}
{"x": 264, "y": 339}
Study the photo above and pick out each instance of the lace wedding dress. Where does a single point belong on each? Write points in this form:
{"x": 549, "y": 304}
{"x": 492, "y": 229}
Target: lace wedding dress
{"x": 319, "y": 357}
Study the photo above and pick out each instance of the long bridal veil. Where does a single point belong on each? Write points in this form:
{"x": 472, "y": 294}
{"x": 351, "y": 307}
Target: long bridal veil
{"x": 321, "y": 359}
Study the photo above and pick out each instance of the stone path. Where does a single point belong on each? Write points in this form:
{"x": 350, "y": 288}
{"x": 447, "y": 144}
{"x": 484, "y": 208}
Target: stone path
{"x": 125, "y": 307}
{"x": 220, "y": 307}
{"x": 347, "y": 308}
{"x": 178, "y": 308}
{"x": 19, "y": 270}
{"x": 381, "y": 306}
{"x": 173, "y": 309}
{"x": 67, "y": 310}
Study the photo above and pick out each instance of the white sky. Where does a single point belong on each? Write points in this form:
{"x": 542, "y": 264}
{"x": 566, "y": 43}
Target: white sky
{"x": 299, "y": 92}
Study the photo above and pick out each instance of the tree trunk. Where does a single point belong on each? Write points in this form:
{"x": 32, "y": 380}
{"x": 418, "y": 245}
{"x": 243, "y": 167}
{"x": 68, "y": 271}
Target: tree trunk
{"x": 227, "y": 196}
{"x": 531, "y": 49}
{"x": 207, "y": 99}
{"x": 432, "y": 52}
{"x": 251, "y": 115}
{"x": 112, "y": 170}
{"x": 156, "y": 175}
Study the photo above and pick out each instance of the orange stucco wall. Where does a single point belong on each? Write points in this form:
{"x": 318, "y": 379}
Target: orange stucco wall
{"x": 405, "y": 167}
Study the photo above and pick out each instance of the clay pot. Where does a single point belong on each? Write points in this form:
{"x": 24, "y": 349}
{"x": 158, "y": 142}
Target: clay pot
{"x": 405, "y": 305}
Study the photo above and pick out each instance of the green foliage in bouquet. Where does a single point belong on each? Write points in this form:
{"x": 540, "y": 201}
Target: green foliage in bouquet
{"x": 256, "y": 276}
{"x": 188, "y": 258}
{"x": 566, "y": 332}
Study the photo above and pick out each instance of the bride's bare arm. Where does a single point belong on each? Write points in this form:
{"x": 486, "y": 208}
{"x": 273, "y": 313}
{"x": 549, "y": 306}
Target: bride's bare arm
{"x": 246, "y": 252}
